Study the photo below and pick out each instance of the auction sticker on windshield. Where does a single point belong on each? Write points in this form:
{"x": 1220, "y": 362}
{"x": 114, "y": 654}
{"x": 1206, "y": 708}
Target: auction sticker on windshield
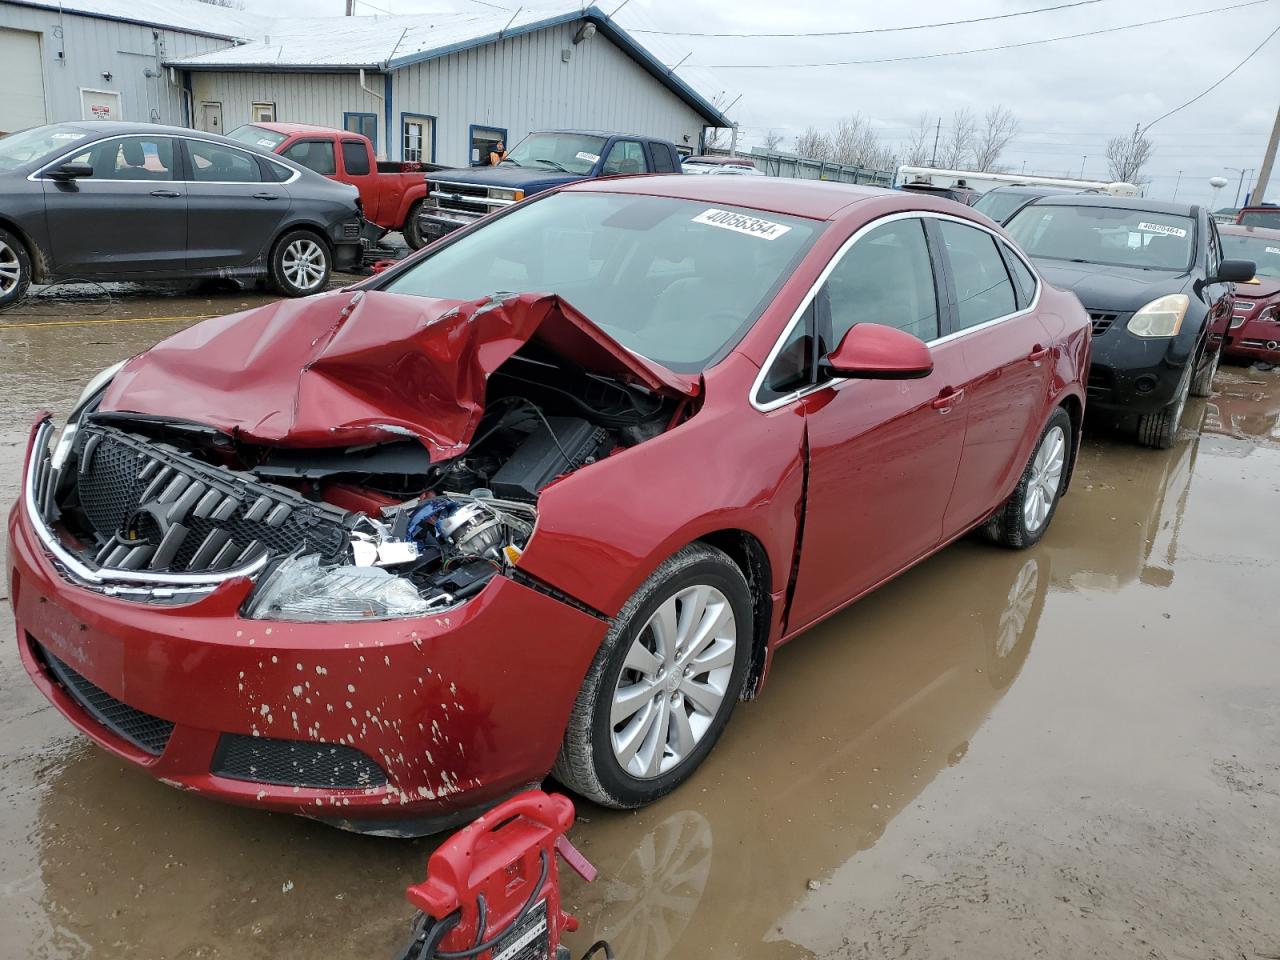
{"x": 589, "y": 157}
{"x": 741, "y": 223}
{"x": 1163, "y": 229}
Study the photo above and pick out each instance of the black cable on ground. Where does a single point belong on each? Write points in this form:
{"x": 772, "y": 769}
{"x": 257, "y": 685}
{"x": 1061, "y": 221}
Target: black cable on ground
{"x": 602, "y": 945}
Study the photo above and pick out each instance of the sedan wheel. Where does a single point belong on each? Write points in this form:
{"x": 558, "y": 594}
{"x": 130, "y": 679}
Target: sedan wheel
{"x": 300, "y": 264}
{"x": 673, "y": 681}
{"x": 663, "y": 683}
{"x": 15, "y": 269}
{"x": 1024, "y": 517}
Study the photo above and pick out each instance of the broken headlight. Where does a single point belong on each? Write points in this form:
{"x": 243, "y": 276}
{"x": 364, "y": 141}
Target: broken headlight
{"x": 67, "y": 434}
{"x": 300, "y": 589}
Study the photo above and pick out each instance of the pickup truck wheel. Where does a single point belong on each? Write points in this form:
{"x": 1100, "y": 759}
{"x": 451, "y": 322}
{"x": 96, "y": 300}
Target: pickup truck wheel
{"x": 1026, "y": 515}
{"x": 300, "y": 264}
{"x": 1159, "y": 429}
{"x": 412, "y": 229}
{"x": 663, "y": 683}
{"x": 15, "y": 269}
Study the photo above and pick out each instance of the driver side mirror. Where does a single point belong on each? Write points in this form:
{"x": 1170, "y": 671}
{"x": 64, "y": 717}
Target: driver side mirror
{"x": 70, "y": 171}
{"x": 1235, "y": 271}
{"x": 873, "y": 351}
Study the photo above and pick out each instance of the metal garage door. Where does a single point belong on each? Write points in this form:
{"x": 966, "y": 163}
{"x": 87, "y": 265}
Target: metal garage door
{"x": 22, "y": 104}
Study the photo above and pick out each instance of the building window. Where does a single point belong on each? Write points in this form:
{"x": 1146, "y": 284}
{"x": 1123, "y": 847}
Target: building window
{"x": 362, "y": 123}
{"x": 483, "y": 141}
{"x": 417, "y": 138}
{"x": 263, "y": 112}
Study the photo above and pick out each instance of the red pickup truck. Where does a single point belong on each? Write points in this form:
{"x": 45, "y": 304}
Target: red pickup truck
{"x": 391, "y": 192}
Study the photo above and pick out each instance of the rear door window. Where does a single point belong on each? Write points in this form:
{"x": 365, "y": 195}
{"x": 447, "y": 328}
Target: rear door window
{"x": 315, "y": 155}
{"x": 662, "y": 162}
{"x": 215, "y": 163}
{"x": 983, "y": 289}
{"x": 355, "y": 158}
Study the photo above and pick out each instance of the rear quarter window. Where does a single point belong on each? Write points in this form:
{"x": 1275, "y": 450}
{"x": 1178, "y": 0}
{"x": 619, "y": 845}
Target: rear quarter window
{"x": 355, "y": 158}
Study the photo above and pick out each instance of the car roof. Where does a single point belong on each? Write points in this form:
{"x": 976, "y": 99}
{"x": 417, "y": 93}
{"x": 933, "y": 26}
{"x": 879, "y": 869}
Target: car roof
{"x": 1120, "y": 203}
{"x": 601, "y": 133}
{"x": 291, "y": 128}
{"x": 116, "y": 128}
{"x": 1031, "y": 190}
{"x": 815, "y": 199}
{"x": 1247, "y": 230}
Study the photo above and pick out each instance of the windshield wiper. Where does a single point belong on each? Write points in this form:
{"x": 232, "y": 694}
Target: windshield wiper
{"x": 560, "y": 167}
{"x": 514, "y": 163}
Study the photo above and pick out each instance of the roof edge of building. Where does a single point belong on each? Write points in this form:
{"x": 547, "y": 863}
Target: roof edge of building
{"x": 136, "y": 21}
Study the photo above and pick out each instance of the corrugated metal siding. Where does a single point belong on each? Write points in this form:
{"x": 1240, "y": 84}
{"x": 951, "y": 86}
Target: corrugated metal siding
{"x": 92, "y": 47}
{"x": 319, "y": 98}
{"x": 521, "y": 84}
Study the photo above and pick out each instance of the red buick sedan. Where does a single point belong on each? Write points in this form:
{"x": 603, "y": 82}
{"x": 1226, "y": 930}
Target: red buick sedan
{"x": 546, "y": 497}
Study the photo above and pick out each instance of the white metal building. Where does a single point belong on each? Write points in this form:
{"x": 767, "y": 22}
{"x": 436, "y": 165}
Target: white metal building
{"x": 438, "y": 87}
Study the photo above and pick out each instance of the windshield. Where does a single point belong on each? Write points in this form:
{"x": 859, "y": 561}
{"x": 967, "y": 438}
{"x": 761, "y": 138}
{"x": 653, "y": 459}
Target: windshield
{"x": 677, "y": 281}
{"x": 998, "y": 205}
{"x": 563, "y": 152}
{"x": 1261, "y": 218}
{"x": 1106, "y": 235}
{"x": 1263, "y": 251}
{"x": 256, "y": 136}
{"x": 27, "y": 146}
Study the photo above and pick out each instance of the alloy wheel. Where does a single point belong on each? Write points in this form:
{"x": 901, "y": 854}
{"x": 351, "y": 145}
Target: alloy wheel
{"x": 10, "y": 269}
{"x": 673, "y": 682}
{"x": 303, "y": 263}
{"x": 1046, "y": 474}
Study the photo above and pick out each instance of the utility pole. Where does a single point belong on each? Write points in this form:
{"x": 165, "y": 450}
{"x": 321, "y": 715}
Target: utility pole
{"x": 936, "y": 133}
{"x": 1024, "y": 166}
{"x": 733, "y": 140}
{"x": 1260, "y": 191}
{"x": 351, "y": 8}
{"x": 1083, "y": 161}
{"x": 1244, "y": 172}
{"x": 1176, "y": 184}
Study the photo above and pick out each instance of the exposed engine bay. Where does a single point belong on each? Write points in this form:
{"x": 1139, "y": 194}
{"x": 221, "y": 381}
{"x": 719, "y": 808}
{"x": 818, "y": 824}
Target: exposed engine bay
{"x": 373, "y": 530}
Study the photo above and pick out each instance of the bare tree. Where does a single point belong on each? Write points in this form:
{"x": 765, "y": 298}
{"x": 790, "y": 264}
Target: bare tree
{"x": 713, "y": 138}
{"x": 957, "y": 149}
{"x": 772, "y": 140}
{"x": 1000, "y": 126}
{"x": 230, "y": 4}
{"x": 854, "y": 141}
{"x": 1126, "y": 156}
{"x": 917, "y": 150}
{"x": 814, "y": 145}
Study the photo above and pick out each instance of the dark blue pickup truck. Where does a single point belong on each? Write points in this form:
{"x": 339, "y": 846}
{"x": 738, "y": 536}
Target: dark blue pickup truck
{"x": 542, "y": 160}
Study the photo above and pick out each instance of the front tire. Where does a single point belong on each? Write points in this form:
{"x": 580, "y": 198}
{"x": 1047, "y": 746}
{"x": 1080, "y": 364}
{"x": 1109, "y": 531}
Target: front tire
{"x": 1202, "y": 383}
{"x": 15, "y": 269}
{"x": 663, "y": 684}
{"x": 412, "y": 229}
{"x": 300, "y": 264}
{"x": 1158, "y": 430}
{"x": 1027, "y": 513}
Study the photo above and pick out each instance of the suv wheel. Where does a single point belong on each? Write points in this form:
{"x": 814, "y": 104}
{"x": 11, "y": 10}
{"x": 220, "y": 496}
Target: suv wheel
{"x": 15, "y": 269}
{"x": 1202, "y": 383}
{"x": 663, "y": 683}
{"x": 300, "y": 264}
{"x": 1027, "y": 513}
{"x": 1159, "y": 429}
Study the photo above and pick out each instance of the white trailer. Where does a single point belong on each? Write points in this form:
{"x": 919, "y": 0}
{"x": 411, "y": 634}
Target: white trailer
{"x": 984, "y": 180}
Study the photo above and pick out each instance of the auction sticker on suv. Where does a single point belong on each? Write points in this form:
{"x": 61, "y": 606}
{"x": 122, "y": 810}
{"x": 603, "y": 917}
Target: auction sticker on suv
{"x": 1163, "y": 228}
{"x": 741, "y": 223}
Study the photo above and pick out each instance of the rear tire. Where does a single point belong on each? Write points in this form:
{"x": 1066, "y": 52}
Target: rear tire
{"x": 15, "y": 269}
{"x": 300, "y": 264}
{"x": 1158, "y": 430}
{"x": 1202, "y": 383}
{"x": 412, "y": 229}
{"x": 1027, "y": 513}
{"x": 654, "y": 701}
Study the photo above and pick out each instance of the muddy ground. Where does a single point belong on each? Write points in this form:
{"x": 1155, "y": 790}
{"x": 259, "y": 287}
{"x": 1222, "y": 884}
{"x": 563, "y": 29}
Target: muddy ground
{"x": 1066, "y": 752}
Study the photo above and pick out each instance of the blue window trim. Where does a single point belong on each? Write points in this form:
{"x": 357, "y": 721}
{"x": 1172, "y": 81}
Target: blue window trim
{"x": 421, "y": 116}
{"x": 471, "y": 135}
{"x": 356, "y": 113}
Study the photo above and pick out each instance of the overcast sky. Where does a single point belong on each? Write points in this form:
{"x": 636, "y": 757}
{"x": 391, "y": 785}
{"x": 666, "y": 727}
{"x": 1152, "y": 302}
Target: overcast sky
{"x": 1069, "y": 96}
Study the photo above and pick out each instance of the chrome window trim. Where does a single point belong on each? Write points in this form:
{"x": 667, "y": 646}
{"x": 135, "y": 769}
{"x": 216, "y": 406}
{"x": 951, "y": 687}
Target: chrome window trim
{"x": 104, "y": 578}
{"x": 758, "y": 383}
{"x": 38, "y": 175}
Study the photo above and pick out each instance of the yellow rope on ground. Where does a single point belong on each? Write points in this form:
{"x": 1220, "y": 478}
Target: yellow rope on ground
{"x": 79, "y": 323}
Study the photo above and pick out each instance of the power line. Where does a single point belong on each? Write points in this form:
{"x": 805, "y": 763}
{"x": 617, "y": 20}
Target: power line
{"x": 1216, "y": 84}
{"x": 960, "y": 53}
{"x": 852, "y": 33}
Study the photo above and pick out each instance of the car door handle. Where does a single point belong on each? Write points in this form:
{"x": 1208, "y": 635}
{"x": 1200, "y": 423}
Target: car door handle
{"x": 1038, "y": 353}
{"x": 944, "y": 401}
{"x": 266, "y": 196}
{"x": 165, "y": 193}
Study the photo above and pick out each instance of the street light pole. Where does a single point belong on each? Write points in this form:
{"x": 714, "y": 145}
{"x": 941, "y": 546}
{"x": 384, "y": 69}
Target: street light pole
{"x": 1083, "y": 161}
{"x": 1176, "y": 184}
{"x": 1240, "y": 186}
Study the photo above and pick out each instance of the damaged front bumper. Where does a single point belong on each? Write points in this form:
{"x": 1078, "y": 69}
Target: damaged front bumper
{"x": 388, "y": 725}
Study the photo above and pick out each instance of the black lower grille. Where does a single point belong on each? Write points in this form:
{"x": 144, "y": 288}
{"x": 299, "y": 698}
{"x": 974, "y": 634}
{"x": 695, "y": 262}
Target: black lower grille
{"x": 1102, "y": 322}
{"x": 144, "y": 731}
{"x": 295, "y": 763}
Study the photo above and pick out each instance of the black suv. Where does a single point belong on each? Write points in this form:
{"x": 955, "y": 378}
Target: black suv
{"x": 1153, "y": 279}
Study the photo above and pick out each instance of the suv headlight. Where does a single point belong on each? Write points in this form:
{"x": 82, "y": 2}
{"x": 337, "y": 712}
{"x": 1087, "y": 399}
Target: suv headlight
{"x": 67, "y": 434}
{"x": 300, "y": 589}
{"x": 1160, "y": 318}
{"x": 499, "y": 194}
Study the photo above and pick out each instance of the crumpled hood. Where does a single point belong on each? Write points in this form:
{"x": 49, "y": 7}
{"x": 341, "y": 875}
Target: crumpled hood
{"x": 1103, "y": 286}
{"x": 349, "y": 368}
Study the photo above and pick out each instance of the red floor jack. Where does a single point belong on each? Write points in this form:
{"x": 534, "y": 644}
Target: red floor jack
{"x": 493, "y": 889}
